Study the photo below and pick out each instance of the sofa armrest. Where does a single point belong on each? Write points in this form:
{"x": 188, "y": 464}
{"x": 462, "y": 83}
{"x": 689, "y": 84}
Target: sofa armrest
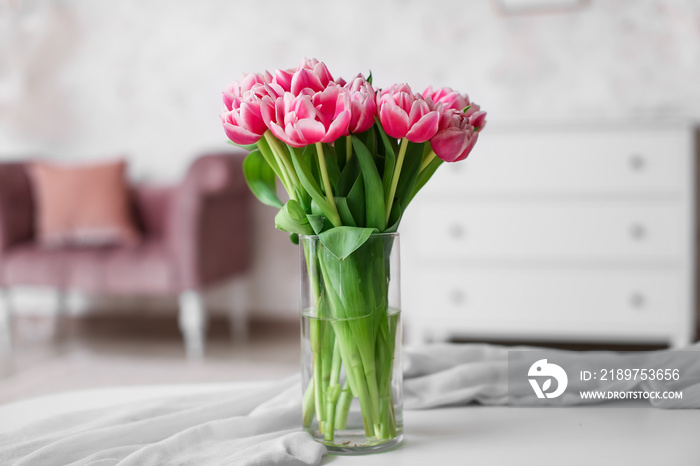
{"x": 16, "y": 205}
{"x": 216, "y": 174}
{"x": 209, "y": 225}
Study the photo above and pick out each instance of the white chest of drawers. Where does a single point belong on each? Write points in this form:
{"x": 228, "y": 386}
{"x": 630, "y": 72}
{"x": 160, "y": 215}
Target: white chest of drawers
{"x": 562, "y": 233}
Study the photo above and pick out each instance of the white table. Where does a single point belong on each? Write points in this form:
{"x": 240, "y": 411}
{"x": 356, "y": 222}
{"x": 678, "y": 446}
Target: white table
{"x": 472, "y": 435}
{"x": 479, "y": 435}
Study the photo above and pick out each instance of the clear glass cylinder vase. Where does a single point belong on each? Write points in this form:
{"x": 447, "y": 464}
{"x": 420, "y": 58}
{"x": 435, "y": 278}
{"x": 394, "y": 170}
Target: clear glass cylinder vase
{"x": 352, "y": 378}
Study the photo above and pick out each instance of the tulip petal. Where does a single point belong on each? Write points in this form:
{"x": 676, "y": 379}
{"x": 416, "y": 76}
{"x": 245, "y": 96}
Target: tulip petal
{"x": 310, "y": 131}
{"x": 279, "y": 133}
{"x": 425, "y": 128}
{"x": 267, "y": 110}
{"x": 468, "y": 149}
{"x": 228, "y": 100}
{"x": 303, "y": 79}
{"x": 303, "y": 107}
{"x": 240, "y": 135}
{"x": 394, "y": 120}
{"x": 284, "y": 79}
{"x": 338, "y": 128}
{"x": 419, "y": 108}
{"x": 323, "y": 74}
{"x": 251, "y": 117}
{"x": 449, "y": 144}
{"x": 478, "y": 119}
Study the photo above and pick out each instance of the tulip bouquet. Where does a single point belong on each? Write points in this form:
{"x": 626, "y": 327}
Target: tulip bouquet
{"x": 350, "y": 158}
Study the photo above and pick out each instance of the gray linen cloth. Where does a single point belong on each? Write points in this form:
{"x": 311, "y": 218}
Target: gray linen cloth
{"x": 448, "y": 374}
{"x": 259, "y": 425}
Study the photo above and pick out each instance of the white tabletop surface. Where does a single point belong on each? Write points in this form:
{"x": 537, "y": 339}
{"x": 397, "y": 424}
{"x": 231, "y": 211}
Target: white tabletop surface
{"x": 477, "y": 435}
{"x": 472, "y": 435}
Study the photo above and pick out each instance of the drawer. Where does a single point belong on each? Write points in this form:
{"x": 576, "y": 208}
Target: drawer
{"x": 545, "y": 298}
{"x": 602, "y": 161}
{"x": 551, "y": 230}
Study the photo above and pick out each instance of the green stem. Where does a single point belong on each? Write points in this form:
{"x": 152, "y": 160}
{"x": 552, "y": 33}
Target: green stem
{"x": 386, "y": 344}
{"x": 333, "y": 393}
{"x": 426, "y": 161}
{"x": 274, "y": 145}
{"x": 308, "y": 406}
{"x": 292, "y": 184}
{"x": 317, "y": 351}
{"x": 355, "y": 375}
{"x": 273, "y": 160}
{"x": 348, "y": 149}
{"x": 395, "y": 177}
{"x": 326, "y": 180}
{"x": 350, "y": 349}
{"x": 343, "y": 407}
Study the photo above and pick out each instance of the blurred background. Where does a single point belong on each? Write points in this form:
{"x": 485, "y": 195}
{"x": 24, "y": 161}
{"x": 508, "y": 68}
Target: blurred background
{"x": 571, "y": 224}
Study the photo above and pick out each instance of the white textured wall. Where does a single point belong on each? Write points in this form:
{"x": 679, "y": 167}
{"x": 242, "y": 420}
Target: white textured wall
{"x": 86, "y": 79}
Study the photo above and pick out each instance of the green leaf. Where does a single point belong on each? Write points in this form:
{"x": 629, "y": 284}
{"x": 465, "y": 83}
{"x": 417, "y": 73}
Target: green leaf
{"x": 310, "y": 185}
{"x": 397, "y": 211}
{"x": 348, "y": 177}
{"x": 409, "y": 175}
{"x": 244, "y": 146}
{"x": 425, "y": 175}
{"x": 389, "y": 160}
{"x": 325, "y": 223}
{"x": 310, "y": 158}
{"x": 316, "y": 210}
{"x": 374, "y": 191}
{"x": 269, "y": 156}
{"x": 356, "y": 201}
{"x": 344, "y": 211}
{"x": 343, "y": 241}
{"x": 331, "y": 165}
{"x": 261, "y": 179}
{"x": 390, "y": 144}
{"x": 317, "y": 222}
{"x": 369, "y": 139}
{"x": 292, "y": 218}
{"x": 294, "y": 238}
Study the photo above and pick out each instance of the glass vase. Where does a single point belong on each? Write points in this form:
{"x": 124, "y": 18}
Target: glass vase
{"x": 351, "y": 345}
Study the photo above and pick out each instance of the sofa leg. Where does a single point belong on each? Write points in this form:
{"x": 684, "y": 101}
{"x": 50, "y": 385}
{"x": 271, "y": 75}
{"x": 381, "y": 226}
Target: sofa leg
{"x": 57, "y": 319}
{"x": 193, "y": 323}
{"x": 238, "y": 310}
{"x": 5, "y": 324}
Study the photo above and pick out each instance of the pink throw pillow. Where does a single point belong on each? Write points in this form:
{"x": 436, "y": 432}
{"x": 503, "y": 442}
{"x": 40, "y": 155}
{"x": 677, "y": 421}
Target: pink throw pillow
{"x": 83, "y": 205}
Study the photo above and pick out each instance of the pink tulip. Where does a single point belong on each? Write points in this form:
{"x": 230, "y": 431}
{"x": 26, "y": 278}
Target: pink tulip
{"x": 244, "y": 125}
{"x": 305, "y": 119}
{"x": 363, "y": 107}
{"x": 306, "y": 79}
{"x": 477, "y": 118}
{"x": 234, "y": 92}
{"x": 456, "y": 137}
{"x": 404, "y": 114}
{"x": 334, "y": 111}
{"x": 283, "y": 78}
{"x": 319, "y": 69}
{"x": 312, "y": 74}
{"x": 449, "y": 98}
{"x": 243, "y": 122}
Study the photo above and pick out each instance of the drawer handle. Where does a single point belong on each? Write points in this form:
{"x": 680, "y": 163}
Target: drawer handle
{"x": 456, "y": 231}
{"x": 638, "y": 231}
{"x": 458, "y": 297}
{"x": 637, "y": 162}
{"x": 637, "y": 301}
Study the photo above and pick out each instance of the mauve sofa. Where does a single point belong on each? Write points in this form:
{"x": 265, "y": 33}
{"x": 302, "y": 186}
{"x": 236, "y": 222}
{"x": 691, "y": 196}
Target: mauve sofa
{"x": 195, "y": 234}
